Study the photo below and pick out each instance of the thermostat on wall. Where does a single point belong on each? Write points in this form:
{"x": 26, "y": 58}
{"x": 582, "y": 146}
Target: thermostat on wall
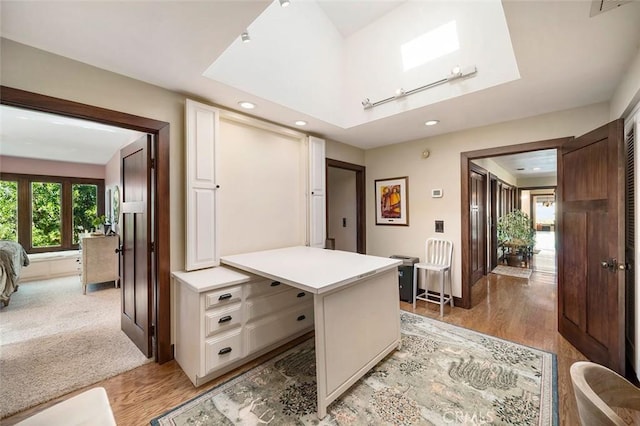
{"x": 436, "y": 193}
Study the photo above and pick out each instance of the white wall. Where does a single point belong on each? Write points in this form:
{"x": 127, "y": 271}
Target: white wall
{"x": 343, "y": 152}
{"x": 261, "y": 200}
{"x": 51, "y": 168}
{"x": 627, "y": 93}
{"x": 538, "y": 181}
{"x": 341, "y": 204}
{"x": 34, "y": 70}
{"x": 442, "y": 170}
{"x": 26, "y": 68}
{"x": 492, "y": 167}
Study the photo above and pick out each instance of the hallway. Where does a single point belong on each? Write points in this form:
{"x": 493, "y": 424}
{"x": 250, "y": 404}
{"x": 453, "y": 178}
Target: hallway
{"x": 544, "y": 253}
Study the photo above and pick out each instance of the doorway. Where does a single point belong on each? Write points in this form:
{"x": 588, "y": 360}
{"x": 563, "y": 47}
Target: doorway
{"x": 541, "y": 203}
{"x": 511, "y": 200}
{"x": 346, "y": 223}
{"x": 160, "y": 289}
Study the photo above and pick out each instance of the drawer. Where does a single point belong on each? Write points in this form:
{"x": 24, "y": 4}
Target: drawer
{"x": 223, "y": 296}
{"x": 274, "y": 328}
{"x": 264, "y": 287}
{"x": 222, "y": 319}
{"x": 271, "y": 304}
{"x": 222, "y": 350}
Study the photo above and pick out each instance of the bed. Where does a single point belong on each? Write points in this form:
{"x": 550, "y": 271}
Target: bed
{"x": 13, "y": 258}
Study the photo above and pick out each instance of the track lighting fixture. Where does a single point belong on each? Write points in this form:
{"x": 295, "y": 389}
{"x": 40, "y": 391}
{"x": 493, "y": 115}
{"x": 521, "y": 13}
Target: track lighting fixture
{"x": 456, "y": 73}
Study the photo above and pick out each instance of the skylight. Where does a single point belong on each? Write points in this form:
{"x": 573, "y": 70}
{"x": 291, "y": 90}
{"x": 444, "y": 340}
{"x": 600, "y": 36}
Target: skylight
{"x": 429, "y": 46}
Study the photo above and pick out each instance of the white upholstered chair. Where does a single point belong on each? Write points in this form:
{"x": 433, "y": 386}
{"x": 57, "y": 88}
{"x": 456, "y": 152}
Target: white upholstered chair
{"x": 438, "y": 257}
{"x": 597, "y": 389}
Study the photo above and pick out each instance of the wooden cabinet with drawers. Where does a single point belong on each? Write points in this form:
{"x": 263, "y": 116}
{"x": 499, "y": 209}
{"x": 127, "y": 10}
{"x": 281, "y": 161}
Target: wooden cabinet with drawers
{"x": 225, "y": 318}
{"x": 98, "y": 260}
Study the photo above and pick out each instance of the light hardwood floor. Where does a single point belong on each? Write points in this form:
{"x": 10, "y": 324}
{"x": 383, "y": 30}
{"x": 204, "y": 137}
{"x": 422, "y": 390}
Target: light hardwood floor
{"x": 510, "y": 308}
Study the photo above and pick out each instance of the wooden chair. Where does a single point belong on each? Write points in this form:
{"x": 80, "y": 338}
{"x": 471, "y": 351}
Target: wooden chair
{"x": 597, "y": 389}
{"x": 438, "y": 257}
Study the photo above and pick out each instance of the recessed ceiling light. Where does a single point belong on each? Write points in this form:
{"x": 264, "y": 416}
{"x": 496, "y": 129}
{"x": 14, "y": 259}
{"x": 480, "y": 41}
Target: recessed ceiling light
{"x": 431, "y": 122}
{"x": 536, "y": 168}
{"x": 301, "y": 123}
{"x": 247, "y": 105}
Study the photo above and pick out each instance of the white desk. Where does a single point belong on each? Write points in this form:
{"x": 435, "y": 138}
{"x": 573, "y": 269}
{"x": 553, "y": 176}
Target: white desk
{"x": 356, "y": 309}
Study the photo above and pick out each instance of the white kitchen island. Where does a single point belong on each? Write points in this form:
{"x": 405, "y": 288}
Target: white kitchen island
{"x": 356, "y": 308}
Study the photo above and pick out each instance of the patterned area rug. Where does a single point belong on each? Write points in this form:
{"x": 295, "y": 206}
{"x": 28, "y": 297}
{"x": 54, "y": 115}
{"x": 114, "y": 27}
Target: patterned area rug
{"x": 443, "y": 374}
{"x": 512, "y": 271}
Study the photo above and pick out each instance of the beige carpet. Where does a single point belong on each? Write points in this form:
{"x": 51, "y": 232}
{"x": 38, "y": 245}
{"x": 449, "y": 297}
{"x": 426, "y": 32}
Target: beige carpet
{"x": 512, "y": 271}
{"x": 54, "y": 340}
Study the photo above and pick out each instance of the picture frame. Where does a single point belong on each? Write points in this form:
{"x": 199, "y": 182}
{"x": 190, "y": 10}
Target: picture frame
{"x": 392, "y": 201}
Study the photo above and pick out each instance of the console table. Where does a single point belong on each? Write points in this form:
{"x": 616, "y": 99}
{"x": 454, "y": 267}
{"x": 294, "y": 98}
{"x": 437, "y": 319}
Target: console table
{"x": 356, "y": 309}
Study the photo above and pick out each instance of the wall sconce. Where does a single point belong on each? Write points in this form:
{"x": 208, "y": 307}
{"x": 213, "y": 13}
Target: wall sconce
{"x": 425, "y": 154}
{"x": 456, "y": 73}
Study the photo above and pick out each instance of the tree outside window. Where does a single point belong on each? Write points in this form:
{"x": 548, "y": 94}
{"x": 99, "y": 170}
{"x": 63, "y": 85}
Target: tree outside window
{"x": 46, "y": 214}
{"x": 85, "y": 208}
{"x": 8, "y": 210}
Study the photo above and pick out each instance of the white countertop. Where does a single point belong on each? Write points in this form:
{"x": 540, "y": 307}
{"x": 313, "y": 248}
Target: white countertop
{"x": 311, "y": 269}
{"x": 210, "y": 278}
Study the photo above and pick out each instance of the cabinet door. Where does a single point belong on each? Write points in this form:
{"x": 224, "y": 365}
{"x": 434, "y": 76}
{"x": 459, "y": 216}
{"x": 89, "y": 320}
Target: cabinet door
{"x": 202, "y": 130}
{"x": 317, "y": 194}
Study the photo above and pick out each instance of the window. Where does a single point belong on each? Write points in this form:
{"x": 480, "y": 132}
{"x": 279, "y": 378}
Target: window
{"x": 429, "y": 46}
{"x": 85, "y": 208}
{"x": 47, "y": 213}
{"x": 8, "y": 210}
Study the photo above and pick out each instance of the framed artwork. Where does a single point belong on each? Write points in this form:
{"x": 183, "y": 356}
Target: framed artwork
{"x": 392, "y": 202}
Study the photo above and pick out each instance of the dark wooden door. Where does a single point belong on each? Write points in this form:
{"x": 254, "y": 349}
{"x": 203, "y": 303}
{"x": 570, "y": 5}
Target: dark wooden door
{"x": 591, "y": 305}
{"x": 477, "y": 191}
{"x": 136, "y": 236}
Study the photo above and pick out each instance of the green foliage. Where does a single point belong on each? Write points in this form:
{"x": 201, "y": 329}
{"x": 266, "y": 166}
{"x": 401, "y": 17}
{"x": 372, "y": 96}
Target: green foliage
{"x": 8, "y": 210}
{"x": 46, "y": 214}
{"x": 85, "y": 208}
{"x": 515, "y": 229}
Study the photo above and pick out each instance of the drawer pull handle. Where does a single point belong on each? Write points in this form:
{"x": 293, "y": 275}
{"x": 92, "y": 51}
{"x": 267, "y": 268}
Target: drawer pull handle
{"x": 225, "y": 319}
{"x": 224, "y": 351}
{"x": 275, "y": 283}
{"x": 301, "y": 317}
{"x": 302, "y": 294}
{"x": 225, "y": 296}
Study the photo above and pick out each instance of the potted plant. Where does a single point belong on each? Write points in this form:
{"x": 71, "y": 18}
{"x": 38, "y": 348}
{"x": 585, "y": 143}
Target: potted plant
{"x": 100, "y": 224}
{"x": 516, "y": 237}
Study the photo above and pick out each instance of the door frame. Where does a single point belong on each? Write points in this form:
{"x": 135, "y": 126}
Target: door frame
{"x": 160, "y": 130}
{"x": 483, "y": 219}
{"x": 361, "y": 216}
{"x": 465, "y": 167}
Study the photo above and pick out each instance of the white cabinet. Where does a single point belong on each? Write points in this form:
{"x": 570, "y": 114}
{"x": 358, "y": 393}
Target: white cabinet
{"x": 201, "y": 236}
{"x": 98, "y": 260}
{"x": 225, "y": 318}
{"x": 317, "y": 192}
